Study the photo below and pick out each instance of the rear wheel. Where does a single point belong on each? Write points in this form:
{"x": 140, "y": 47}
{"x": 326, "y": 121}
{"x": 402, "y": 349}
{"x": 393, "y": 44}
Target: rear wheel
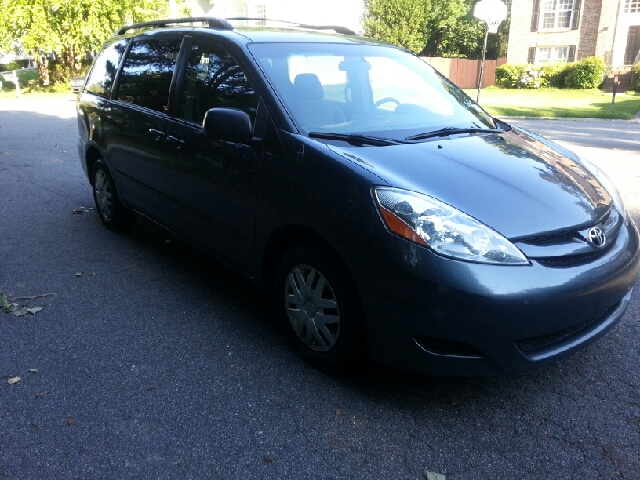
{"x": 112, "y": 213}
{"x": 318, "y": 301}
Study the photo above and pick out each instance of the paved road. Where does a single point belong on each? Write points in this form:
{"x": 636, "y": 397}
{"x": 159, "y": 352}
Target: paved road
{"x": 159, "y": 363}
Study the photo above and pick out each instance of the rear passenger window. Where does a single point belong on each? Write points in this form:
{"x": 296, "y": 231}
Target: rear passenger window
{"x": 147, "y": 73}
{"x": 103, "y": 73}
{"x": 214, "y": 79}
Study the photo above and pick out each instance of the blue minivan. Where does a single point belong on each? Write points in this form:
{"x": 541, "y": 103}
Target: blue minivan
{"x": 384, "y": 213}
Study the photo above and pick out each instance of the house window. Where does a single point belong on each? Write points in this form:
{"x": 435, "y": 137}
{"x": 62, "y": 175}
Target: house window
{"x": 632, "y": 6}
{"x": 556, "y": 14}
{"x": 261, "y": 12}
{"x": 240, "y": 11}
{"x": 552, "y": 54}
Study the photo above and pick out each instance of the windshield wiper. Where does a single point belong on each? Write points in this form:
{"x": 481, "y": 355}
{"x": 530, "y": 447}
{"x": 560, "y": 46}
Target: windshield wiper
{"x": 356, "y": 139}
{"x": 444, "y": 132}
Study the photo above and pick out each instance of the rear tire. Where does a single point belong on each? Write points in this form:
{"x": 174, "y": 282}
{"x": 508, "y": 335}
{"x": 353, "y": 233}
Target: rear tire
{"x": 113, "y": 214}
{"x": 315, "y": 296}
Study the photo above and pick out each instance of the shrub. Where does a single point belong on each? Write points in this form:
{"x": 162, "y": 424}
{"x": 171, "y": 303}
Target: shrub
{"x": 15, "y": 65}
{"x": 532, "y": 77}
{"x": 635, "y": 77}
{"x": 587, "y": 73}
{"x": 508, "y": 75}
{"x": 553, "y": 74}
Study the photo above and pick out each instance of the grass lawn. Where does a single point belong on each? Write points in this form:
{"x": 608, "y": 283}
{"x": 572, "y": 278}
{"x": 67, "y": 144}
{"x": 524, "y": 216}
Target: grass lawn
{"x": 557, "y": 103}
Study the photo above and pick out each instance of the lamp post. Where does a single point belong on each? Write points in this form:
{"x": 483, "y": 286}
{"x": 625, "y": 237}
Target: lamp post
{"x": 492, "y": 12}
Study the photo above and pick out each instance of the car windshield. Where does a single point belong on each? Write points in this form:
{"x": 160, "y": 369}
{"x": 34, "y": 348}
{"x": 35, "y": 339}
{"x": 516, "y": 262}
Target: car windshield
{"x": 361, "y": 89}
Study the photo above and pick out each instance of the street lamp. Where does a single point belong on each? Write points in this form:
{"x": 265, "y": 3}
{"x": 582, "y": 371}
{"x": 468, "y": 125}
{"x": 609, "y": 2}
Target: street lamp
{"x": 492, "y": 12}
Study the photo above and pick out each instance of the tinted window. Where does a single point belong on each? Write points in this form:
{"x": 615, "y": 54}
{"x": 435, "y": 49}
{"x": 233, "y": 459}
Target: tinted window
{"x": 214, "y": 79}
{"x": 147, "y": 72}
{"x": 103, "y": 73}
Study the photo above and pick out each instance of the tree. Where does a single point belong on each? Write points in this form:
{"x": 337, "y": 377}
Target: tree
{"x": 452, "y": 30}
{"x": 401, "y": 22}
{"x": 59, "y": 34}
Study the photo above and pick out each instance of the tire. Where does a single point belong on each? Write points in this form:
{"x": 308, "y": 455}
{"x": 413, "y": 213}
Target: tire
{"x": 315, "y": 296}
{"x": 113, "y": 214}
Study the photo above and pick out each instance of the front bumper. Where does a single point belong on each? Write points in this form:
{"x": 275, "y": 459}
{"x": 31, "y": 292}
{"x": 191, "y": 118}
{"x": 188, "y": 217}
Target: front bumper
{"x": 439, "y": 316}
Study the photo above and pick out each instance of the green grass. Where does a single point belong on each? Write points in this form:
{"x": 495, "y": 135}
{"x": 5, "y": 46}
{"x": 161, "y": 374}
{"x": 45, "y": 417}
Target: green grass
{"x": 557, "y": 103}
{"x": 24, "y": 76}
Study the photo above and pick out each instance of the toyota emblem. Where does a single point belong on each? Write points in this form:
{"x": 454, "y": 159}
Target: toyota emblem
{"x": 596, "y": 237}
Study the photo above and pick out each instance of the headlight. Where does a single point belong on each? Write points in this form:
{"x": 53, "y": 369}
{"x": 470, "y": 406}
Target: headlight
{"x": 608, "y": 185}
{"x": 447, "y": 231}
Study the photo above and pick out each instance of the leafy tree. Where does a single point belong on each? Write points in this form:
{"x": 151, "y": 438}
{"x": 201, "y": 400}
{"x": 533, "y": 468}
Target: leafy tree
{"x": 453, "y": 31}
{"x": 401, "y": 22}
{"x": 59, "y": 34}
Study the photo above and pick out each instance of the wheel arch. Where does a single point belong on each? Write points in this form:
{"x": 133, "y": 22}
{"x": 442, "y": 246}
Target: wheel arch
{"x": 92, "y": 155}
{"x": 287, "y": 237}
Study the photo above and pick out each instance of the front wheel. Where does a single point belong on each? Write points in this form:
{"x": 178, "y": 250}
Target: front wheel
{"x": 112, "y": 213}
{"x": 320, "y": 304}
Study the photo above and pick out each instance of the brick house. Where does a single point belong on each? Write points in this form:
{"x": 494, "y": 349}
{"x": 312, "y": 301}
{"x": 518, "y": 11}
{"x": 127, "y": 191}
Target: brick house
{"x": 569, "y": 30}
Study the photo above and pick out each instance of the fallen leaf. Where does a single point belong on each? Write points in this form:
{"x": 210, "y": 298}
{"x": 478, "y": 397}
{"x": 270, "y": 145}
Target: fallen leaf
{"x": 42, "y": 394}
{"x": 33, "y": 370}
{"x": 20, "y": 312}
{"x": 337, "y": 412}
{"x": 70, "y": 421}
{"x": 13, "y": 380}
{"x": 268, "y": 459}
{"x": 3, "y": 301}
{"x": 80, "y": 210}
{"x": 34, "y": 310}
{"x": 10, "y": 308}
{"x": 435, "y": 476}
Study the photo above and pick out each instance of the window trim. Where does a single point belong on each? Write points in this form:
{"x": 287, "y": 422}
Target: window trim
{"x": 537, "y": 17}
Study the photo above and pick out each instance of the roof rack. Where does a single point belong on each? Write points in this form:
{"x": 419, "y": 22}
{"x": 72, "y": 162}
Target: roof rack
{"x": 223, "y": 24}
{"x": 336, "y": 28}
{"x": 214, "y": 22}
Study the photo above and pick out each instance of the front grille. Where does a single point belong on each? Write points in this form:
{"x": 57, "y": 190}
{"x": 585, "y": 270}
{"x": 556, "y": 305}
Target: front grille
{"x": 559, "y": 237}
{"x": 570, "y": 259}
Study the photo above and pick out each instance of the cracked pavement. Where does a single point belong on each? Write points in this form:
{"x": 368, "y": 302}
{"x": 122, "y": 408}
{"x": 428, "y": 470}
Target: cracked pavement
{"x": 158, "y": 362}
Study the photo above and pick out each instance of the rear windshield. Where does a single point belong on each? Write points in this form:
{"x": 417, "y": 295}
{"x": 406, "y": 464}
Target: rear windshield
{"x": 359, "y": 89}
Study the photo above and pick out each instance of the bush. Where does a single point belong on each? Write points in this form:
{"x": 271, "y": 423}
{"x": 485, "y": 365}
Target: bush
{"x": 554, "y": 74}
{"x": 587, "y": 73}
{"x": 508, "y": 75}
{"x": 635, "y": 77}
{"x": 532, "y": 77}
{"x": 15, "y": 65}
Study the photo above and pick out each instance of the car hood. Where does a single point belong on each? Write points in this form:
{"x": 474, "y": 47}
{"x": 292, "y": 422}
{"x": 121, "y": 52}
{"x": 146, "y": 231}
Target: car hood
{"x": 516, "y": 182}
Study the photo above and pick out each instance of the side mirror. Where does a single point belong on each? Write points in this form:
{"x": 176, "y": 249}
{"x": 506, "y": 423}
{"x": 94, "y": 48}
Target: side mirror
{"x": 228, "y": 124}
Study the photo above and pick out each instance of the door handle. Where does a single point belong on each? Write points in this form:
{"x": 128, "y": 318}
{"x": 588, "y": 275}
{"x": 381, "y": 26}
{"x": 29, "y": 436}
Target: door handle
{"x": 156, "y": 134}
{"x": 175, "y": 140}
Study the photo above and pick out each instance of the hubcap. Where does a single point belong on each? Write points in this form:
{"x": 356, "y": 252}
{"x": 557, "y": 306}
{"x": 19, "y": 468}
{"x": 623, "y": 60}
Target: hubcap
{"x": 312, "y": 308}
{"x": 102, "y": 192}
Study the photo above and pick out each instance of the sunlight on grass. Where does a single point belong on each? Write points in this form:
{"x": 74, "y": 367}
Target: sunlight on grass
{"x": 557, "y": 103}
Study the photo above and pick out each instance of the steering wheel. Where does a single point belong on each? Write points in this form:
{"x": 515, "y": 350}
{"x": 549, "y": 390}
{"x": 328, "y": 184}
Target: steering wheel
{"x": 385, "y": 100}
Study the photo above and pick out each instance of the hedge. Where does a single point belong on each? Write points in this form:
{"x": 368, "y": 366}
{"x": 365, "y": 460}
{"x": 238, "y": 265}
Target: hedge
{"x": 586, "y": 73}
{"x": 15, "y": 65}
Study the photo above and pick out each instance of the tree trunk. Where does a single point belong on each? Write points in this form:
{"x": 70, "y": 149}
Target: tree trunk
{"x": 43, "y": 70}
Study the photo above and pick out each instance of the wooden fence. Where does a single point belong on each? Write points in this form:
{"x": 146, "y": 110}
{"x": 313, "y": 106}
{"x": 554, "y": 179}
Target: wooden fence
{"x": 465, "y": 73}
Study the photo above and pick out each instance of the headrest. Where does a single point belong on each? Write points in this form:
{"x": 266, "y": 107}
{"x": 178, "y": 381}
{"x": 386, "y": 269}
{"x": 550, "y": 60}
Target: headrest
{"x": 307, "y": 86}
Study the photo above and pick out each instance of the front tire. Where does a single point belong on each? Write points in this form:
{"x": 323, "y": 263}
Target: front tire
{"x": 316, "y": 298}
{"x": 113, "y": 214}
